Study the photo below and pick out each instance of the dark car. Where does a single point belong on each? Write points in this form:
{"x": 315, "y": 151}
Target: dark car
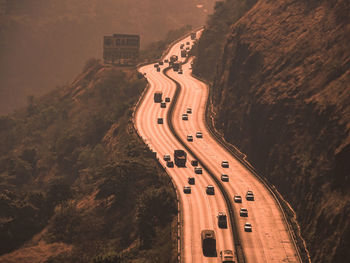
{"x": 160, "y": 120}
{"x": 194, "y": 162}
{"x": 187, "y": 189}
{"x": 198, "y": 170}
{"x": 167, "y": 99}
{"x": 191, "y": 180}
{"x": 170, "y": 164}
{"x": 163, "y": 105}
{"x": 210, "y": 190}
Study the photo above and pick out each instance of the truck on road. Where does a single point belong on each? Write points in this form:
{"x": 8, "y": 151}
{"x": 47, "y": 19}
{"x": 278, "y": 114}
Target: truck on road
{"x": 222, "y": 220}
{"x": 158, "y": 96}
{"x": 180, "y": 157}
{"x": 176, "y": 66}
{"x": 208, "y": 242}
{"x": 193, "y": 35}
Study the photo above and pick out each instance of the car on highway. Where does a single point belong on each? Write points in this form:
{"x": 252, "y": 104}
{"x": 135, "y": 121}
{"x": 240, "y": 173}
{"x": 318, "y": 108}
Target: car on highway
{"x": 182, "y": 45}
{"x": 225, "y": 164}
{"x": 187, "y": 48}
{"x": 237, "y": 199}
{"x": 163, "y": 105}
{"x": 198, "y": 170}
{"x": 199, "y": 135}
{"x": 170, "y": 164}
{"x": 243, "y": 212}
{"x": 222, "y": 220}
{"x": 248, "y": 227}
{"x": 189, "y": 111}
{"x": 225, "y": 178}
{"x": 158, "y": 69}
{"x": 187, "y": 43}
{"x": 184, "y": 117}
{"x": 167, "y": 99}
{"x": 187, "y": 189}
{"x": 210, "y": 190}
{"x": 249, "y": 196}
{"x": 191, "y": 180}
{"x": 166, "y": 60}
{"x": 194, "y": 162}
{"x": 166, "y": 157}
{"x": 156, "y": 65}
{"x": 180, "y": 72}
{"x": 227, "y": 256}
{"x": 160, "y": 120}
{"x": 190, "y": 138}
{"x": 161, "y": 63}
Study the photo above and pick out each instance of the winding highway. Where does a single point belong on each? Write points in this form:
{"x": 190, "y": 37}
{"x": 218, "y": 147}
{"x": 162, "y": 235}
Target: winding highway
{"x": 269, "y": 240}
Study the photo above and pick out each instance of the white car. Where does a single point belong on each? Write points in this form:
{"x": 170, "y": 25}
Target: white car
{"x": 249, "y": 196}
{"x": 248, "y": 227}
{"x": 225, "y": 164}
{"x": 190, "y": 138}
{"x": 243, "y": 212}
{"x": 166, "y": 157}
{"x": 199, "y": 135}
{"x": 227, "y": 256}
{"x": 237, "y": 199}
{"x": 189, "y": 110}
{"x": 184, "y": 117}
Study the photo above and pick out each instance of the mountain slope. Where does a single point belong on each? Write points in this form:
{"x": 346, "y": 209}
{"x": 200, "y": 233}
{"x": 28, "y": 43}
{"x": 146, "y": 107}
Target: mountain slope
{"x": 281, "y": 94}
{"x": 77, "y": 184}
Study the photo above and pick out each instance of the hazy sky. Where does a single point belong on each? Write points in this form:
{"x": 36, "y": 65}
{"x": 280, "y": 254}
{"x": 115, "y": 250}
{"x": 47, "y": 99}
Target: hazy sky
{"x": 45, "y": 43}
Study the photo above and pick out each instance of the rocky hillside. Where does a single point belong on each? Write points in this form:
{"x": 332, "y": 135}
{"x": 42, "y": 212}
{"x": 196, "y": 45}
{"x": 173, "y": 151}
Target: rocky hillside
{"x": 77, "y": 184}
{"x": 281, "y": 93}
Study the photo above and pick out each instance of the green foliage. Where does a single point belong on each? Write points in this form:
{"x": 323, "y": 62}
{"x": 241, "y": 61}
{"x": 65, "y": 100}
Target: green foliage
{"x": 155, "y": 207}
{"x": 58, "y": 193}
{"x": 21, "y": 215}
{"x": 57, "y": 144}
{"x": 65, "y": 224}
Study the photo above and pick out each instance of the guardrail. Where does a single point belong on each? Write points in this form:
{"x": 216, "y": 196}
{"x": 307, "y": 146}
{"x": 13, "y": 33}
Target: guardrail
{"x": 272, "y": 189}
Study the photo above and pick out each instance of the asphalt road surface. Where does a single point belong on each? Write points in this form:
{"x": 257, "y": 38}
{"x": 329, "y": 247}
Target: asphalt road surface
{"x": 269, "y": 240}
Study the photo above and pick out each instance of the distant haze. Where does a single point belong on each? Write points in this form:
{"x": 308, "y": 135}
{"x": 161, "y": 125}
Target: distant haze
{"x": 45, "y": 43}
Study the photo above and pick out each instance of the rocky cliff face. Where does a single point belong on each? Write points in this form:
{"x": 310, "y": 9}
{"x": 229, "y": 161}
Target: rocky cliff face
{"x": 282, "y": 95}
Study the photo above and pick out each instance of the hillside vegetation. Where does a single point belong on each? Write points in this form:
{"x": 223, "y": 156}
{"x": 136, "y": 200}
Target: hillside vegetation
{"x": 281, "y": 93}
{"x": 77, "y": 184}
